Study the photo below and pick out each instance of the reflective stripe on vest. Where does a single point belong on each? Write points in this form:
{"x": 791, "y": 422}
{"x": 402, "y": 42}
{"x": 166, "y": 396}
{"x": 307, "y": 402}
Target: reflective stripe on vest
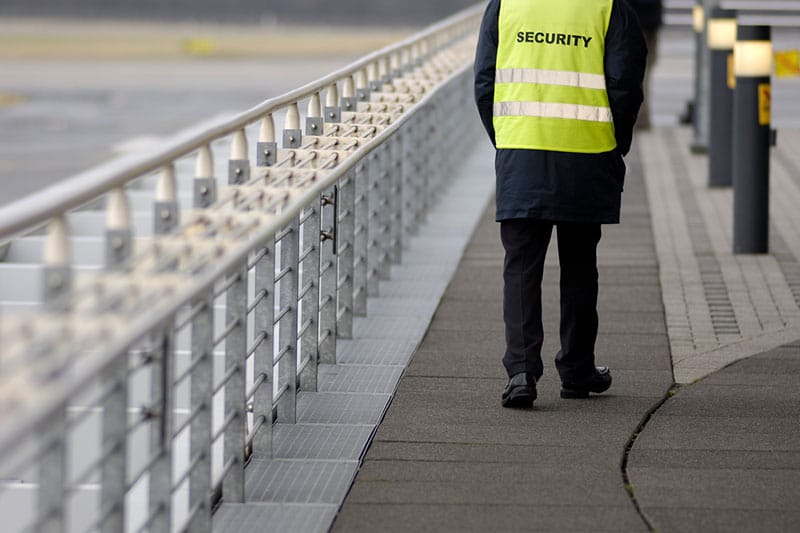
{"x": 550, "y": 89}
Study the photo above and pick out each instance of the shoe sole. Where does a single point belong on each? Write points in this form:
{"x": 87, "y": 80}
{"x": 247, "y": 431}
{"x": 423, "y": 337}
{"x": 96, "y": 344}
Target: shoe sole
{"x": 521, "y": 400}
{"x": 581, "y": 394}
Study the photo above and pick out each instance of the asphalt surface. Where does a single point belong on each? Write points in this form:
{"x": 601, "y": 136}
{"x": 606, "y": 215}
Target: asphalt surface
{"x": 448, "y": 457}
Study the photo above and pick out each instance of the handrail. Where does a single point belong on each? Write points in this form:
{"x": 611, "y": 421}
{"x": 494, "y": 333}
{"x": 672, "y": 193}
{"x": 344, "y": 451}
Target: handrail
{"x": 33, "y": 211}
{"x": 293, "y": 246}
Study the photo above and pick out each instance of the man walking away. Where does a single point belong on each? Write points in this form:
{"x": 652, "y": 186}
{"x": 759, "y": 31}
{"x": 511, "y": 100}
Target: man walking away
{"x": 558, "y": 88}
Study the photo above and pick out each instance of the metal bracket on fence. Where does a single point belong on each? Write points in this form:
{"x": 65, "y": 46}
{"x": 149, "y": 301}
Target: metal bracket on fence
{"x": 166, "y": 217}
{"x": 205, "y": 192}
{"x": 57, "y": 283}
{"x": 238, "y": 171}
{"x": 292, "y": 138}
{"x": 119, "y": 245}
{"x": 349, "y": 103}
{"x": 267, "y": 154}
{"x": 314, "y": 126}
{"x": 333, "y": 114}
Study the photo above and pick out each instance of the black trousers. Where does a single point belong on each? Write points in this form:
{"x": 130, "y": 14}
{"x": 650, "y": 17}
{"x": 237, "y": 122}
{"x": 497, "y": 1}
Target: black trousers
{"x": 525, "y": 242}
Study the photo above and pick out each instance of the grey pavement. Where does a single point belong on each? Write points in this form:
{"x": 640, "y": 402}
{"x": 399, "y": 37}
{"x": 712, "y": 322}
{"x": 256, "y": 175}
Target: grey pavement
{"x": 701, "y": 430}
{"x": 448, "y": 457}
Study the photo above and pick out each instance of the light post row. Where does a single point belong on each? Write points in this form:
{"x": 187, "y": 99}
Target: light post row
{"x": 733, "y": 112}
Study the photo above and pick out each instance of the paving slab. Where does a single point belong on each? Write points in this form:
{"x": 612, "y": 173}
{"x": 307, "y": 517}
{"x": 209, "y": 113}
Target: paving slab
{"x": 723, "y": 454}
{"x": 481, "y": 518}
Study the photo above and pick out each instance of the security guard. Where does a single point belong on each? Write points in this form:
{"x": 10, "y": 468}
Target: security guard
{"x": 558, "y": 84}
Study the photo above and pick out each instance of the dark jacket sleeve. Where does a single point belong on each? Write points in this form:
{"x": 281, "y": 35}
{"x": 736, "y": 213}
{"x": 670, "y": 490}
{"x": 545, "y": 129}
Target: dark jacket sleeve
{"x": 626, "y": 57}
{"x": 485, "y": 66}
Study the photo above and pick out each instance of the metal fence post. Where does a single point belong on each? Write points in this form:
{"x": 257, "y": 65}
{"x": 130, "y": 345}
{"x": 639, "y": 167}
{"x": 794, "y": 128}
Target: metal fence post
{"x": 360, "y": 240}
{"x": 52, "y": 473}
{"x": 115, "y": 435}
{"x": 202, "y": 354}
{"x": 329, "y": 237}
{"x": 263, "y": 357}
{"x": 235, "y": 358}
{"x": 346, "y": 257}
{"x": 396, "y": 198}
{"x": 309, "y": 296}
{"x": 384, "y": 233}
{"x": 751, "y": 138}
{"x": 287, "y": 335}
{"x": 161, "y": 387}
{"x": 721, "y": 36}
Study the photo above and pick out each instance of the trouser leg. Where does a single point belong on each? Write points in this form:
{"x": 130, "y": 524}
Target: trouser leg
{"x": 525, "y": 242}
{"x": 577, "y": 252}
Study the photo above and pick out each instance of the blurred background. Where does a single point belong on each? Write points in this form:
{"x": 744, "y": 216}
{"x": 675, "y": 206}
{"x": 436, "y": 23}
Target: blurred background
{"x": 357, "y": 12}
{"x": 84, "y": 81}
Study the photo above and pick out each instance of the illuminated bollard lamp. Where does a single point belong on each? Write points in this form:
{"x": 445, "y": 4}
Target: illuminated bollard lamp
{"x": 752, "y": 137}
{"x": 721, "y": 34}
{"x": 695, "y": 108}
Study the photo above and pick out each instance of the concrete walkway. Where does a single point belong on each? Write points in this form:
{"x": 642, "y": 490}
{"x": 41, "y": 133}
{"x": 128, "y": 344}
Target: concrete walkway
{"x": 688, "y": 439}
{"x": 447, "y": 457}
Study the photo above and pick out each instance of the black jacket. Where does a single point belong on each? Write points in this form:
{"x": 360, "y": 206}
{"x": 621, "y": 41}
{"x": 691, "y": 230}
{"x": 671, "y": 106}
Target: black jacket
{"x": 650, "y": 12}
{"x": 562, "y": 186}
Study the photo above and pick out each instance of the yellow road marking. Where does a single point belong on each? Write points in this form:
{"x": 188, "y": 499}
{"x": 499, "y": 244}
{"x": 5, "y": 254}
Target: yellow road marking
{"x": 9, "y": 99}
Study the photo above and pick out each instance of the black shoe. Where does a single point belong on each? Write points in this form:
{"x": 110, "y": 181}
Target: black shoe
{"x": 599, "y": 382}
{"x": 520, "y": 391}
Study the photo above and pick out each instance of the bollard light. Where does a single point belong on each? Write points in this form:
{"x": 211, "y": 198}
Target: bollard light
{"x": 698, "y": 107}
{"x": 698, "y": 18}
{"x": 722, "y": 29}
{"x": 721, "y": 35}
{"x": 752, "y": 136}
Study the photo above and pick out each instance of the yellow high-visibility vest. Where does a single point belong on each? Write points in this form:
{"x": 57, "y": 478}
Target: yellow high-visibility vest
{"x": 550, "y": 88}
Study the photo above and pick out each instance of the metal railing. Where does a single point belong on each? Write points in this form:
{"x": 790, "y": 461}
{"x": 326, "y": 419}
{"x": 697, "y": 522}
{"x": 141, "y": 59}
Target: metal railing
{"x": 133, "y": 399}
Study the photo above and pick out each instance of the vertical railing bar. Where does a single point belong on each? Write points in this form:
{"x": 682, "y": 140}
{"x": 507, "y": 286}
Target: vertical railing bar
{"x": 115, "y": 425}
{"x": 361, "y": 240}
{"x": 287, "y": 334}
{"x": 235, "y": 358}
{"x": 262, "y": 362}
{"x": 396, "y": 198}
{"x": 385, "y": 212}
{"x": 200, "y": 432}
{"x": 162, "y": 374}
{"x": 52, "y": 473}
{"x": 346, "y": 242}
{"x": 327, "y": 283}
{"x": 309, "y": 342}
